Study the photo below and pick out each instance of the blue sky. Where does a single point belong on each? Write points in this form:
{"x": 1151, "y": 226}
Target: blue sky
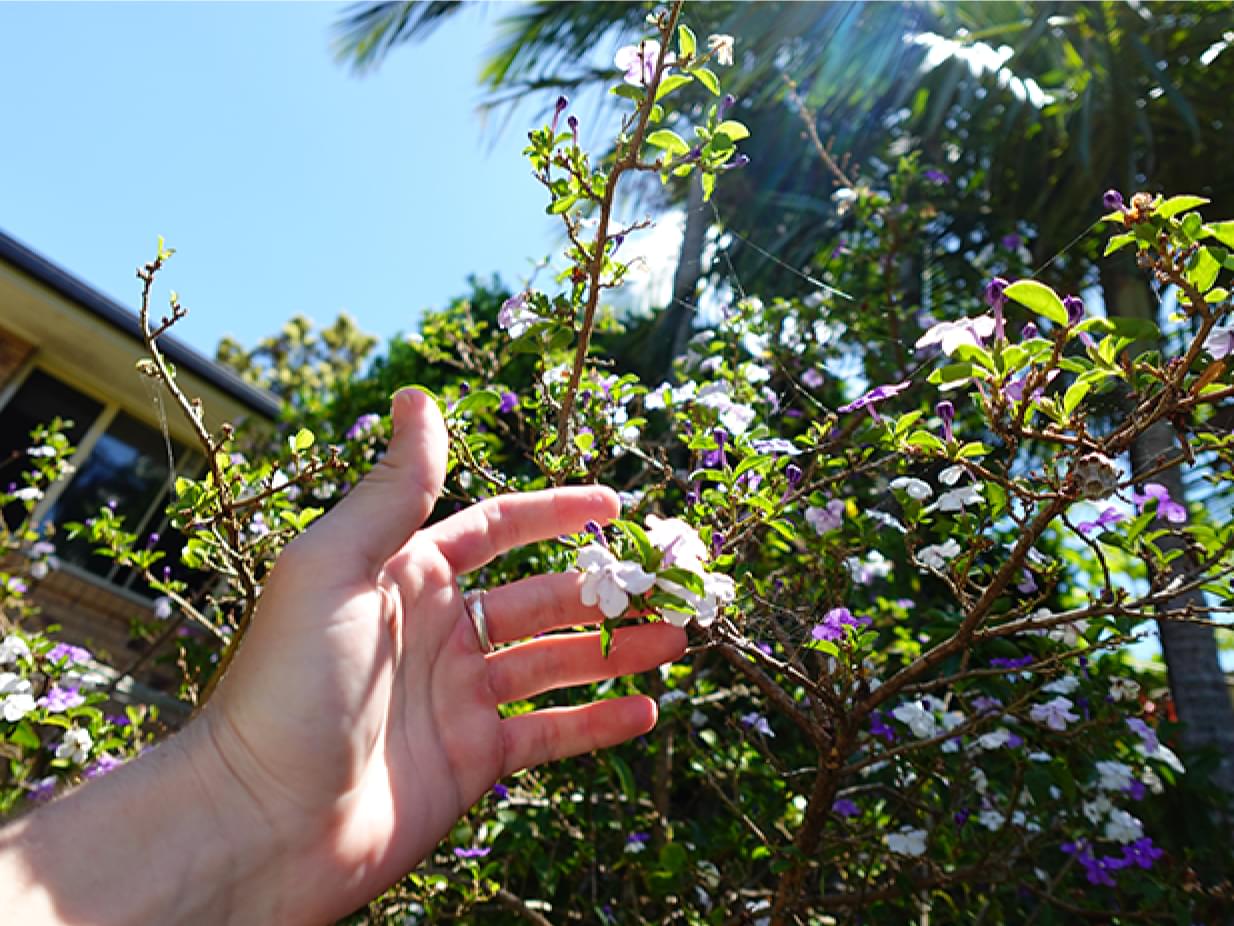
{"x": 287, "y": 184}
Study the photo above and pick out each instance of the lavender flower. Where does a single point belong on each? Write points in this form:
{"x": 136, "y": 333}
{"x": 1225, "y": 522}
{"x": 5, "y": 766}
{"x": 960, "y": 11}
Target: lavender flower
{"x": 364, "y": 425}
{"x": 946, "y": 411}
{"x": 758, "y": 723}
{"x": 873, "y": 397}
{"x": 639, "y": 62}
{"x": 843, "y": 807}
{"x": 75, "y": 655}
{"x": 996, "y": 298}
{"x": 58, "y": 700}
{"x": 880, "y": 727}
{"x": 475, "y": 852}
{"x": 1075, "y": 309}
{"x": 811, "y": 378}
{"x": 1109, "y": 516}
{"x": 833, "y": 624}
{"x": 562, "y": 103}
{"x": 936, "y": 177}
{"x": 509, "y": 402}
{"x": 726, "y": 103}
{"x": 1220, "y": 341}
{"x": 1112, "y": 199}
{"x": 1167, "y": 508}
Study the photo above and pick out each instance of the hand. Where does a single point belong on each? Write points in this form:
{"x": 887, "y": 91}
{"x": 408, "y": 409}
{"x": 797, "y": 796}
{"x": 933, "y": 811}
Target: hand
{"x": 359, "y": 719}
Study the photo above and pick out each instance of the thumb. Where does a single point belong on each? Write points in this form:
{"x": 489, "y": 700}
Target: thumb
{"x": 380, "y": 514}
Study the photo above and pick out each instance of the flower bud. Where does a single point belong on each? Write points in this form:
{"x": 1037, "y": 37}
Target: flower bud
{"x": 1113, "y": 200}
{"x": 793, "y": 474}
{"x": 725, "y": 105}
{"x": 1075, "y": 309}
{"x": 1029, "y": 331}
{"x": 562, "y": 103}
{"x": 572, "y": 122}
{"x": 946, "y": 411}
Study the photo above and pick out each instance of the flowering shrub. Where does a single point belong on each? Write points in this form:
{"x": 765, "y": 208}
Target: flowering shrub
{"x": 912, "y": 601}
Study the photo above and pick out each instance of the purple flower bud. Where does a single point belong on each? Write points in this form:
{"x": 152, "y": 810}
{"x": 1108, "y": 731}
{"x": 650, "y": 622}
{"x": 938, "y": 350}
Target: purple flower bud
{"x": 738, "y": 162}
{"x": 717, "y": 543}
{"x": 793, "y": 473}
{"x": 994, "y": 295}
{"x": 509, "y": 402}
{"x": 1113, "y": 200}
{"x": 1010, "y": 242}
{"x": 562, "y": 103}
{"x": 572, "y": 122}
{"x": 111, "y": 504}
{"x": 725, "y": 105}
{"x": 946, "y": 411}
{"x": 499, "y": 789}
{"x": 1029, "y": 331}
{"x": 464, "y": 388}
{"x": 720, "y": 436}
{"x": 152, "y": 539}
{"x": 1075, "y": 309}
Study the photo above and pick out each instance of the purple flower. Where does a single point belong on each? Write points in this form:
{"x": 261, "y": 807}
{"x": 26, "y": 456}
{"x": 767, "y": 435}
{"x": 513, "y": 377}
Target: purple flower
{"x": 758, "y": 723}
{"x": 639, "y": 62}
{"x": 1105, "y": 519}
{"x": 880, "y": 727}
{"x": 509, "y": 402}
{"x": 58, "y": 700}
{"x": 726, "y": 103}
{"x": 717, "y": 543}
{"x": 1167, "y": 508}
{"x": 76, "y": 655}
{"x": 793, "y": 474}
{"x": 500, "y": 790}
{"x": 843, "y": 807}
{"x": 1002, "y": 662}
{"x": 102, "y": 765}
{"x": 1075, "y": 309}
{"x": 811, "y": 378}
{"x": 43, "y": 789}
{"x": 476, "y": 852}
{"x": 1010, "y": 242}
{"x": 828, "y": 518}
{"x": 572, "y": 122}
{"x": 1029, "y": 331}
{"x": 1027, "y": 584}
{"x": 1220, "y": 341}
{"x": 1136, "y": 790}
{"x": 1097, "y": 870}
{"x": 946, "y": 411}
{"x": 1055, "y": 713}
{"x": 834, "y": 622}
{"x": 776, "y": 445}
{"x": 1142, "y": 853}
{"x": 363, "y": 426}
{"x": 936, "y": 176}
{"x": 1147, "y": 734}
{"x": 1112, "y": 199}
{"x": 873, "y": 397}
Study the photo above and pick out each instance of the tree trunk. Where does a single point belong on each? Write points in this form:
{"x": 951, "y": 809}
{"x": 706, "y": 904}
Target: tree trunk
{"x": 1197, "y": 684}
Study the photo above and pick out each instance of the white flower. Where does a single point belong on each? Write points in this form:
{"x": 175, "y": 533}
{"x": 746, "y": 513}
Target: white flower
{"x": 75, "y": 746}
{"x": 1063, "y": 686}
{"x": 1067, "y": 634}
{"x": 1096, "y": 809}
{"x": 718, "y": 590}
{"x": 754, "y": 373}
{"x": 722, "y": 47}
{"x": 1043, "y": 757}
{"x": 609, "y": 582}
{"x": 958, "y": 499}
{"x": 39, "y": 570}
{"x": 1124, "y": 689}
{"x": 12, "y": 649}
{"x": 951, "y": 475}
{"x": 917, "y": 717}
{"x": 672, "y": 696}
{"x": 737, "y": 417}
{"x": 28, "y": 494}
{"x": 41, "y": 451}
{"x": 991, "y": 819}
{"x": 1123, "y": 827}
{"x": 12, "y": 683}
{"x": 951, "y": 335}
{"x": 16, "y": 706}
{"x": 1167, "y": 755}
{"x": 907, "y": 841}
{"x": 995, "y": 739}
{"x": 162, "y": 608}
{"x": 677, "y": 541}
{"x": 936, "y": 555}
{"x": 914, "y": 488}
{"x": 1220, "y": 341}
{"x": 980, "y": 782}
{"x": 666, "y": 393}
{"x": 1113, "y": 776}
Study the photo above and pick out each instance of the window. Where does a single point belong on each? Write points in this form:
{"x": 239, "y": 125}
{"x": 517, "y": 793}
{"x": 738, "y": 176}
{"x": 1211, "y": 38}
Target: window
{"x": 125, "y": 465}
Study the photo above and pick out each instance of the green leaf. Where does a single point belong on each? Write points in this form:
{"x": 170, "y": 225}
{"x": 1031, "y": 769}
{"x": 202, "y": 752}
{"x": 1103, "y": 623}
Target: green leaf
{"x": 669, "y": 140}
{"x": 1075, "y": 395}
{"x": 971, "y": 352}
{"x": 23, "y": 734}
{"x": 1223, "y": 232}
{"x": 1217, "y": 295}
{"x": 1138, "y": 329}
{"x": 478, "y": 400}
{"x": 558, "y": 206}
{"x": 926, "y": 441}
{"x": 670, "y": 83}
{"x": 824, "y": 646}
{"x": 1038, "y": 298}
{"x": 302, "y": 440}
{"x": 630, "y": 92}
{"x": 1203, "y": 270}
{"x": 709, "y": 185}
{"x": 708, "y": 80}
{"x": 1176, "y": 204}
{"x": 1118, "y": 241}
{"x": 686, "y": 42}
{"x": 951, "y": 373}
{"x": 733, "y": 129}
{"x": 973, "y": 449}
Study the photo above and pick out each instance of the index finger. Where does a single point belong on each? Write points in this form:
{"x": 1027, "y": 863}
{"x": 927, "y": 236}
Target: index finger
{"x": 479, "y": 534}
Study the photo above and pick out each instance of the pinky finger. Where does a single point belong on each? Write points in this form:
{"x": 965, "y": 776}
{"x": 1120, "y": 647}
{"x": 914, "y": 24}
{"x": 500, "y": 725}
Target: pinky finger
{"x": 559, "y": 732}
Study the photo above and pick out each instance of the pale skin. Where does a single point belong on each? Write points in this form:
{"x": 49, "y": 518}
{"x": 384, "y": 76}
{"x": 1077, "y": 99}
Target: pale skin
{"x": 357, "y": 723}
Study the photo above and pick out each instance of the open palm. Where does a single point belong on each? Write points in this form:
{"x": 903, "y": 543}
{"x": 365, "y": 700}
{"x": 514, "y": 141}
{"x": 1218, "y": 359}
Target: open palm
{"x": 360, "y": 715}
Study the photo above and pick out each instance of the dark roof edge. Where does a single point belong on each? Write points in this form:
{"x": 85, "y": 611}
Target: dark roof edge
{"x": 112, "y": 312}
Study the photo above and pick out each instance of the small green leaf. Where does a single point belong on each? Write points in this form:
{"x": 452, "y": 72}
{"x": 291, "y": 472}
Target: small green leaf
{"x": 669, "y": 140}
{"x": 971, "y": 352}
{"x": 824, "y": 646}
{"x": 1176, "y": 204}
{"x": 733, "y": 129}
{"x": 1038, "y": 298}
{"x": 1203, "y": 270}
{"x": 709, "y": 186}
{"x": 708, "y": 80}
{"x": 671, "y": 83}
{"x": 478, "y": 400}
{"x": 1075, "y": 395}
{"x": 629, "y": 92}
{"x": 1118, "y": 241}
{"x": 926, "y": 441}
{"x": 951, "y": 373}
{"x": 686, "y": 42}
{"x": 302, "y": 440}
{"x": 23, "y": 734}
{"x": 559, "y": 206}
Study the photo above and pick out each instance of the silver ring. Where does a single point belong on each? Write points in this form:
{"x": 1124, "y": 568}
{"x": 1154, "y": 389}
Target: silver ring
{"x": 473, "y": 604}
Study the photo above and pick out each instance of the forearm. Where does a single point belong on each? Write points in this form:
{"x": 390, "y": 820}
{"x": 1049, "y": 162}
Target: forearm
{"x": 153, "y": 842}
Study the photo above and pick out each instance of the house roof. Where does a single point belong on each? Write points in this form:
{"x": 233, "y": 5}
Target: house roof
{"x": 113, "y": 313}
